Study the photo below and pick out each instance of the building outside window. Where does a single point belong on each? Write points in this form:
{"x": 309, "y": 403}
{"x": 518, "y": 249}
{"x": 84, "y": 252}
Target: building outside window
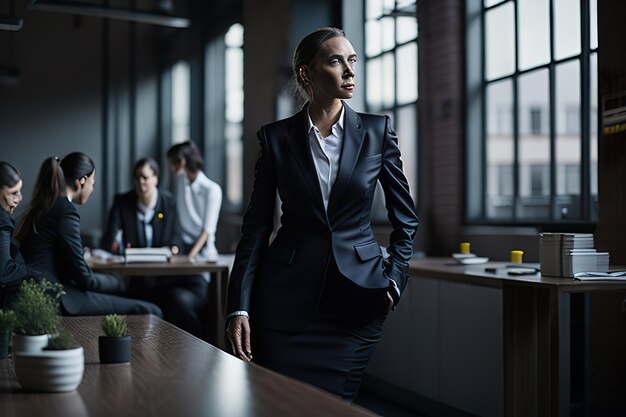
{"x": 537, "y": 62}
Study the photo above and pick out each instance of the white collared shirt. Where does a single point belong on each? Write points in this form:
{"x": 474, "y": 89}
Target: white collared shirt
{"x": 198, "y": 206}
{"x": 326, "y": 152}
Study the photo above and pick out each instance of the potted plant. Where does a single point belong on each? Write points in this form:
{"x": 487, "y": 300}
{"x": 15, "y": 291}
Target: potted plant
{"x": 7, "y": 324}
{"x": 59, "y": 367}
{"x": 114, "y": 347}
{"x": 36, "y": 309}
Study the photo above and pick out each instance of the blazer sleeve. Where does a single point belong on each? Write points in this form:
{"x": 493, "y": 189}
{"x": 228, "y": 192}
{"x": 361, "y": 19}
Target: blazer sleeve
{"x": 114, "y": 224}
{"x": 258, "y": 224}
{"x": 400, "y": 211}
{"x": 71, "y": 248}
{"x": 12, "y": 268}
{"x": 172, "y": 236}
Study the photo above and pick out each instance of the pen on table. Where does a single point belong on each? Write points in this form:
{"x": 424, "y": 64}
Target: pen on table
{"x": 491, "y": 269}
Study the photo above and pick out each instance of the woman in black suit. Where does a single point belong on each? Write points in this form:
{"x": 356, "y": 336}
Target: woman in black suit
{"x": 147, "y": 217}
{"x": 312, "y": 304}
{"x": 50, "y": 240}
{"x": 12, "y": 268}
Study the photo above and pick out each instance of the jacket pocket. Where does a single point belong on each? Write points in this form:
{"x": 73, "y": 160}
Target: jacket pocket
{"x": 368, "y": 250}
{"x": 280, "y": 254}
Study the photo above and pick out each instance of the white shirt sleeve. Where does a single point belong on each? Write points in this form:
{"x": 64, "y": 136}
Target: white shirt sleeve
{"x": 213, "y": 206}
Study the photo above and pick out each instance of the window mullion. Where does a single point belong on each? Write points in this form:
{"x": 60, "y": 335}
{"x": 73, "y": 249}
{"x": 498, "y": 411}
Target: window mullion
{"x": 585, "y": 122}
{"x": 552, "y": 110}
{"x": 516, "y": 173}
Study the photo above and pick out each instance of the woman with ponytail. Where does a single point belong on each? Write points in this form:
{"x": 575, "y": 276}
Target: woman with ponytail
{"x": 50, "y": 240}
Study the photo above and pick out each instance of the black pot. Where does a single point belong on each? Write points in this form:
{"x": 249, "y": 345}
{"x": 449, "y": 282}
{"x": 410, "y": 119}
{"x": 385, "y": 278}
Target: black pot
{"x": 114, "y": 349}
{"x": 4, "y": 344}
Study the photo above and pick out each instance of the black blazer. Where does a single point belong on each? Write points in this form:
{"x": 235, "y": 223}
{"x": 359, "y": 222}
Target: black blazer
{"x": 281, "y": 285}
{"x": 123, "y": 216}
{"x": 12, "y": 267}
{"x": 56, "y": 251}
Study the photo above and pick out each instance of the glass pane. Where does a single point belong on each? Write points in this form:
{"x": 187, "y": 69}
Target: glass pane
{"x": 534, "y": 33}
{"x": 387, "y": 33}
{"x": 374, "y": 89}
{"x": 372, "y": 36}
{"x": 593, "y": 20}
{"x": 594, "y": 131}
{"x": 500, "y": 41}
{"x": 567, "y": 156}
{"x": 534, "y": 145}
{"x": 566, "y": 28}
{"x": 407, "y": 29}
{"x": 373, "y": 9}
{"x": 234, "y": 162}
{"x": 388, "y": 78}
{"x": 406, "y": 128}
{"x": 234, "y": 36}
{"x": 234, "y": 85}
{"x": 180, "y": 102}
{"x": 499, "y": 150}
{"x": 406, "y": 60}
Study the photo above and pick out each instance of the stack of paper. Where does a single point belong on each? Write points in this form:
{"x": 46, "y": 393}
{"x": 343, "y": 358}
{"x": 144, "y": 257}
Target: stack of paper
{"x": 147, "y": 255}
{"x": 564, "y": 254}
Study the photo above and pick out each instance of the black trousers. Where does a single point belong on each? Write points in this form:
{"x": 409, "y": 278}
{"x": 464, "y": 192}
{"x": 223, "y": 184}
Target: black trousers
{"x": 108, "y": 301}
{"x": 183, "y": 300}
{"x": 333, "y": 351}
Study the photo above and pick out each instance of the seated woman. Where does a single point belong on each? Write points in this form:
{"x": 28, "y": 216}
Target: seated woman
{"x": 147, "y": 217}
{"x": 50, "y": 241}
{"x": 12, "y": 268}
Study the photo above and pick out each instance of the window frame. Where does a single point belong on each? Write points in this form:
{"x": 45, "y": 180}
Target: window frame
{"x": 476, "y": 120}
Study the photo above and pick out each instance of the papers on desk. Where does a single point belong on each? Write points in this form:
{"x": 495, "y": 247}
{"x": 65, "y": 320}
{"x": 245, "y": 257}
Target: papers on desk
{"x": 104, "y": 256}
{"x": 147, "y": 255}
{"x": 600, "y": 276}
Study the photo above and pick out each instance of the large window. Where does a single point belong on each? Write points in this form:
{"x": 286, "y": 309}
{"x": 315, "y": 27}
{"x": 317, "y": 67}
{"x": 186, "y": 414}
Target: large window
{"x": 391, "y": 75}
{"x": 534, "y": 75}
{"x": 224, "y": 114}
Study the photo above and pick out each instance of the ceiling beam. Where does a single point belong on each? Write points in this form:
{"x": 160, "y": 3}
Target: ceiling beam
{"x": 112, "y": 13}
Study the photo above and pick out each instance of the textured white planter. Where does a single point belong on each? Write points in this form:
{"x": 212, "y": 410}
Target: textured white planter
{"x": 50, "y": 370}
{"x": 25, "y": 343}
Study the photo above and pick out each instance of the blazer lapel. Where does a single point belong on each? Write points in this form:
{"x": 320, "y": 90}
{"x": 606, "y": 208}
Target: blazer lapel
{"x": 298, "y": 139}
{"x": 352, "y": 141}
{"x": 157, "y": 229}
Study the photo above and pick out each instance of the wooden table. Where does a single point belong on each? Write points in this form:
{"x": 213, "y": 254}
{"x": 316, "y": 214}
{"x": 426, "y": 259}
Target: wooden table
{"x": 217, "y": 291}
{"x": 171, "y": 373}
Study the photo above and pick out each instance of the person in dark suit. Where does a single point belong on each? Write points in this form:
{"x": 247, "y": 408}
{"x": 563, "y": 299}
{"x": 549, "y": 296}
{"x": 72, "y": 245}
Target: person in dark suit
{"x": 12, "y": 268}
{"x": 147, "y": 217}
{"x": 312, "y": 304}
{"x": 50, "y": 240}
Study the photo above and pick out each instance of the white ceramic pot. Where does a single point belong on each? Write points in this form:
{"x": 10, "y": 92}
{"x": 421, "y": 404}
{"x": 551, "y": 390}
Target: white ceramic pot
{"x": 26, "y": 343}
{"x": 50, "y": 370}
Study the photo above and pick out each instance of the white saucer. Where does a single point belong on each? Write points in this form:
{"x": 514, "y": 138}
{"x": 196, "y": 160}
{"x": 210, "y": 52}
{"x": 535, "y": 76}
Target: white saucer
{"x": 469, "y": 258}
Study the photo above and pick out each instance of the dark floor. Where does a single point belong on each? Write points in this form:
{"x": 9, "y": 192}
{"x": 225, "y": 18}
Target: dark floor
{"x": 382, "y": 407}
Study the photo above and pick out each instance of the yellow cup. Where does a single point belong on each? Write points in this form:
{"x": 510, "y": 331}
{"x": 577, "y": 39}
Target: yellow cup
{"x": 464, "y": 247}
{"x": 516, "y": 256}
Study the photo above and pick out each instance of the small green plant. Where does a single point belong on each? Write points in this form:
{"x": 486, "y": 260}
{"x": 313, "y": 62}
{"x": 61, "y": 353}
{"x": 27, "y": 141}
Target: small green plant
{"x": 62, "y": 341}
{"x": 114, "y": 325}
{"x": 36, "y": 307}
{"x": 8, "y": 320}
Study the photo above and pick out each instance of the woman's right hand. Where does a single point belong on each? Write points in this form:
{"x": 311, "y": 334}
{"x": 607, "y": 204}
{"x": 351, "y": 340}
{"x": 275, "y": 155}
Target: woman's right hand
{"x": 238, "y": 333}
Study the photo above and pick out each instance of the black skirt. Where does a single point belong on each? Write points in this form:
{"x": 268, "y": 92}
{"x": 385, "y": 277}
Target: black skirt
{"x": 333, "y": 351}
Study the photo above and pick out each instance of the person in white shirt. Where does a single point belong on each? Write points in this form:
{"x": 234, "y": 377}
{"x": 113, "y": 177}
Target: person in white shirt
{"x": 198, "y": 199}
